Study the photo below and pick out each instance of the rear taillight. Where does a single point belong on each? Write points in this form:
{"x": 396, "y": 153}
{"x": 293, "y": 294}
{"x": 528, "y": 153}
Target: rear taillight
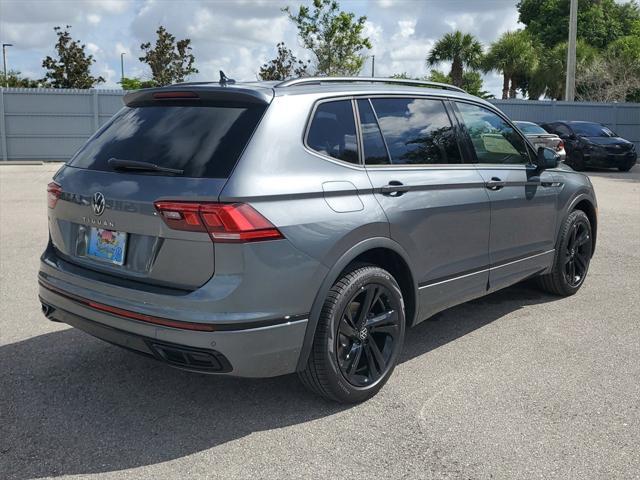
{"x": 53, "y": 194}
{"x": 225, "y": 222}
{"x": 560, "y": 146}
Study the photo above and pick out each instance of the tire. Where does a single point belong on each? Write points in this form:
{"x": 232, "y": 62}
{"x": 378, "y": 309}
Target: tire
{"x": 577, "y": 161}
{"x": 573, "y": 256}
{"x": 355, "y": 351}
{"x": 627, "y": 167}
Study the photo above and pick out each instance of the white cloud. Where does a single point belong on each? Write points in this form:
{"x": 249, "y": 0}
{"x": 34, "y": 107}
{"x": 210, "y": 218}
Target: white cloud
{"x": 238, "y": 36}
{"x": 93, "y": 48}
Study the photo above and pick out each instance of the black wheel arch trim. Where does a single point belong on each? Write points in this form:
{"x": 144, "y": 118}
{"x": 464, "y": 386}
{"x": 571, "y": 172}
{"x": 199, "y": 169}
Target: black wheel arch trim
{"x": 333, "y": 275}
{"x": 590, "y": 199}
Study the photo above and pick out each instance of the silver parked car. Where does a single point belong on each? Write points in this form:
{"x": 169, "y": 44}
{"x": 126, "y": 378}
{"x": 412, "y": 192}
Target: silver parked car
{"x": 539, "y": 137}
{"x": 260, "y": 229}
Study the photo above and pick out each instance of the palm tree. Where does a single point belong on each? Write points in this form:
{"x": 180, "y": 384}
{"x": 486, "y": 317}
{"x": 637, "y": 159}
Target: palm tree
{"x": 461, "y": 49}
{"x": 549, "y": 77}
{"x": 514, "y": 55}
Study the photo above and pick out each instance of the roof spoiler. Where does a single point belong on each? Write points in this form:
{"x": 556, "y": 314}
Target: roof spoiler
{"x": 197, "y": 95}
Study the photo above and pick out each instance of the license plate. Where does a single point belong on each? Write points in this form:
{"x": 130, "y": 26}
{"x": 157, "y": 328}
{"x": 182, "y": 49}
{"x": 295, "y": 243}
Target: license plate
{"x": 107, "y": 245}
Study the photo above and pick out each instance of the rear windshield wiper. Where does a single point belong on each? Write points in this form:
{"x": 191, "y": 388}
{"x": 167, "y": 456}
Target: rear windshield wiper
{"x": 119, "y": 164}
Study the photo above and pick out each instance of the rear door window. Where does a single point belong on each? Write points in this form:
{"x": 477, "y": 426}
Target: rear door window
{"x": 417, "y": 131}
{"x": 333, "y": 131}
{"x": 204, "y": 141}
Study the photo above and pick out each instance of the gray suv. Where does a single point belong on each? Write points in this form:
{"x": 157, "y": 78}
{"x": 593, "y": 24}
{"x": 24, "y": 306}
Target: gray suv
{"x": 259, "y": 229}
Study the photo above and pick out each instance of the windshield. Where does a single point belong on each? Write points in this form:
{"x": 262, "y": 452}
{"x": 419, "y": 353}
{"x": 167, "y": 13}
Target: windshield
{"x": 530, "y": 128}
{"x": 592, "y": 130}
{"x": 203, "y": 141}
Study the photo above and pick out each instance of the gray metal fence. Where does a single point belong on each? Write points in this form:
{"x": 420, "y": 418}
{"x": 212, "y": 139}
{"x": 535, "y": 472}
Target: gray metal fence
{"x": 50, "y": 125}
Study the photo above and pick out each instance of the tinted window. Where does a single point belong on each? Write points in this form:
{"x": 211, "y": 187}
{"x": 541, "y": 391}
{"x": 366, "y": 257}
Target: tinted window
{"x": 417, "y": 131}
{"x": 333, "y": 131}
{"x": 202, "y": 141}
{"x": 560, "y": 129}
{"x": 592, "y": 130}
{"x": 531, "y": 128}
{"x": 375, "y": 151}
{"x": 494, "y": 140}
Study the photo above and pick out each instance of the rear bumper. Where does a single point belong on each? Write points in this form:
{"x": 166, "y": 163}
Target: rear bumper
{"x": 263, "y": 351}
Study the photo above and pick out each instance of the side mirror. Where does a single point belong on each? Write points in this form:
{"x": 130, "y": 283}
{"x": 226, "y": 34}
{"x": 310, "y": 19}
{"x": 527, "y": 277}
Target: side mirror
{"x": 547, "y": 158}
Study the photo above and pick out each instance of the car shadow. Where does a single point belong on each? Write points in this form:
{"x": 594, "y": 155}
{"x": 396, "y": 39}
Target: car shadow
{"x": 71, "y": 404}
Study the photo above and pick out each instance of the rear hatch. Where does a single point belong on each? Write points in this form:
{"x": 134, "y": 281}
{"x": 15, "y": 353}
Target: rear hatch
{"x": 171, "y": 145}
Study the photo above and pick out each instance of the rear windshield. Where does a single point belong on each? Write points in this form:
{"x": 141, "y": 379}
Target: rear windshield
{"x": 203, "y": 141}
{"x": 530, "y": 128}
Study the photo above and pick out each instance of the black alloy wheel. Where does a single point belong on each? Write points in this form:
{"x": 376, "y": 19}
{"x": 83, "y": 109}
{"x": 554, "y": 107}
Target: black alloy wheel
{"x": 367, "y": 335}
{"x": 573, "y": 255}
{"x": 359, "y": 336}
{"x": 578, "y": 254}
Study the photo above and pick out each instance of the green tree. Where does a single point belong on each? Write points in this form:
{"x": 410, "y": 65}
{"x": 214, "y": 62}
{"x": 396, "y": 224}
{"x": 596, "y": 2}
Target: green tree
{"x": 471, "y": 82}
{"x": 14, "y": 79}
{"x": 616, "y": 77}
{"x": 463, "y": 50}
{"x": 599, "y": 21}
{"x": 284, "y": 66}
{"x": 514, "y": 56}
{"x": 135, "y": 83}
{"x": 170, "y": 61}
{"x": 72, "y": 67}
{"x": 334, "y": 37}
{"x": 549, "y": 77}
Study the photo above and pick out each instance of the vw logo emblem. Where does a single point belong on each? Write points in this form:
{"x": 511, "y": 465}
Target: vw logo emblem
{"x": 98, "y": 203}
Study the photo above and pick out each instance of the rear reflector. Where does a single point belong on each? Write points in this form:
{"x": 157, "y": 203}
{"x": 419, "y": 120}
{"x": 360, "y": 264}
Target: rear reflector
{"x": 174, "y": 95}
{"x": 225, "y": 222}
{"x": 54, "y": 191}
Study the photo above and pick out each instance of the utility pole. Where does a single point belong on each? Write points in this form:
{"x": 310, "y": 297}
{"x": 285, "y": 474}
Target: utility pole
{"x": 122, "y": 70}
{"x": 570, "y": 90}
{"x": 4, "y": 61}
{"x": 373, "y": 65}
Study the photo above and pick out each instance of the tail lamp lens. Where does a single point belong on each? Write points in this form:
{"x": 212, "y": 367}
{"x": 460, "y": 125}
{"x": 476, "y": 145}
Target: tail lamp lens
{"x": 53, "y": 194}
{"x": 225, "y": 222}
{"x": 560, "y": 146}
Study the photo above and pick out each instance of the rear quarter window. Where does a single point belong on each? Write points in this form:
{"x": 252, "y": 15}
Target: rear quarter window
{"x": 332, "y": 131}
{"x": 204, "y": 141}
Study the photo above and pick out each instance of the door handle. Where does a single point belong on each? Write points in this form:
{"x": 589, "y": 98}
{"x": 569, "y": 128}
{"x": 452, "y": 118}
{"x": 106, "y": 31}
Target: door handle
{"x": 394, "y": 189}
{"x": 495, "y": 184}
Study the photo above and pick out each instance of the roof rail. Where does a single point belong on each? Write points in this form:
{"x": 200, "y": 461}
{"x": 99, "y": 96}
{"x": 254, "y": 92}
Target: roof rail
{"x": 400, "y": 81}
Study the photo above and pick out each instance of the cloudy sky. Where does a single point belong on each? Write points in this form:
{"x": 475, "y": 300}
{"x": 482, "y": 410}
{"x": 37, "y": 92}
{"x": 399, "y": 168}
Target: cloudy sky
{"x": 238, "y": 36}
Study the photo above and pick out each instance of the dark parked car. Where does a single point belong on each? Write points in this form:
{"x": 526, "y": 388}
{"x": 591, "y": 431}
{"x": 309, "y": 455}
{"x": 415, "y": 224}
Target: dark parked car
{"x": 265, "y": 228}
{"x": 590, "y": 144}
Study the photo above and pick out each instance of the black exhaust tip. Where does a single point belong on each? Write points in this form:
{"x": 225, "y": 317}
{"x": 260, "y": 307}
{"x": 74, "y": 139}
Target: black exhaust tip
{"x": 48, "y": 310}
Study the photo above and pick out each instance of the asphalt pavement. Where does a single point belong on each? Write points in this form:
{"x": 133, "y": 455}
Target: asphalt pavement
{"x": 519, "y": 384}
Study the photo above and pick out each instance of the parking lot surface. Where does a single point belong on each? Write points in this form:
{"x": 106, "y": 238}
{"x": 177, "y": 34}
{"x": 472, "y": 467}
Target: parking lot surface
{"x": 519, "y": 384}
